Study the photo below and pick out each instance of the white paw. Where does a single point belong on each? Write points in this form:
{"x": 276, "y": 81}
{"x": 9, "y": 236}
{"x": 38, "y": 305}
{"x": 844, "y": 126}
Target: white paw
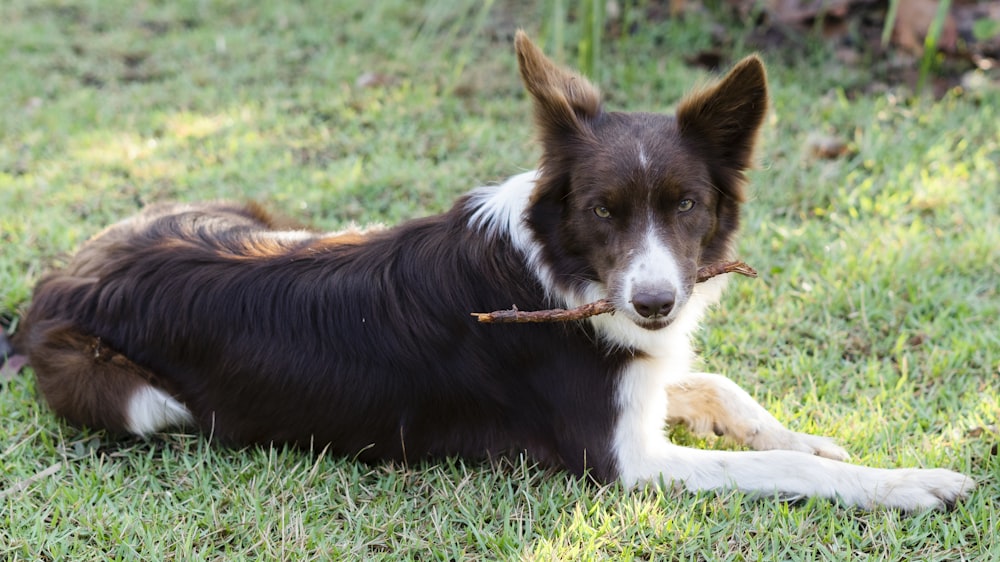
{"x": 913, "y": 489}
{"x": 780, "y": 438}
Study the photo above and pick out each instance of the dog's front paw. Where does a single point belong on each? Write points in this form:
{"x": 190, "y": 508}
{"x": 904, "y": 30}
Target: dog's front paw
{"x": 912, "y": 489}
{"x": 788, "y": 440}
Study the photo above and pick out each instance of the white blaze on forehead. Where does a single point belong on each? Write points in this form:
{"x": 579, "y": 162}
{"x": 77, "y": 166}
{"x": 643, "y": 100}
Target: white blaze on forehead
{"x": 653, "y": 268}
{"x": 643, "y": 159}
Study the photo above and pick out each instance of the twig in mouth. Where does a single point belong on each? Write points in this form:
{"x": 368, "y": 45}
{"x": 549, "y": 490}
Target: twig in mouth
{"x": 602, "y": 306}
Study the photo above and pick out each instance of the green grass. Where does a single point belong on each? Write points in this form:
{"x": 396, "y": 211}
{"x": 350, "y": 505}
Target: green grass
{"x": 874, "y": 320}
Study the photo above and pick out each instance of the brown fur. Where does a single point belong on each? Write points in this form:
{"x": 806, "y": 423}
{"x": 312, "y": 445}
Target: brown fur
{"x": 725, "y": 118}
{"x": 564, "y": 98}
{"x": 700, "y": 406}
{"x": 81, "y": 378}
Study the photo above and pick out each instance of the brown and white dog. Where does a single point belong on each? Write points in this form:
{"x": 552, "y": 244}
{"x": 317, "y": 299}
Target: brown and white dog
{"x": 212, "y": 316}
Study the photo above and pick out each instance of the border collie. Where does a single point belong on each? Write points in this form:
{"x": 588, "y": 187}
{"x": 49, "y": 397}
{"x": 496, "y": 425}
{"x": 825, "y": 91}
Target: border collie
{"x": 216, "y": 317}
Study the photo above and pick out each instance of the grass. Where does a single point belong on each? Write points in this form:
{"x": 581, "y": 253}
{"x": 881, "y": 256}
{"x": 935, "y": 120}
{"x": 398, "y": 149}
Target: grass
{"x": 874, "y": 321}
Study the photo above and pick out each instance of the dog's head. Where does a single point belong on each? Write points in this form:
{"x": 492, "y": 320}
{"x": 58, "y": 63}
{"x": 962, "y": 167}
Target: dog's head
{"x": 635, "y": 203}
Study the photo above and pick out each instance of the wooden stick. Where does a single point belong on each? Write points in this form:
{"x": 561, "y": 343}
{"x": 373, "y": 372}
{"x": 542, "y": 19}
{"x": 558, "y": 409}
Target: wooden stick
{"x": 714, "y": 270}
{"x": 602, "y": 306}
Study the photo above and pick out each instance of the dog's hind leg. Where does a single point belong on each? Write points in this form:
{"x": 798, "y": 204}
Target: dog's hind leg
{"x": 708, "y": 403}
{"x": 92, "y": 385}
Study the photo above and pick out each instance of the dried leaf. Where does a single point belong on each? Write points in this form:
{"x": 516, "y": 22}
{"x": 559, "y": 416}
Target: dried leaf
{"x": 913, "y": 20}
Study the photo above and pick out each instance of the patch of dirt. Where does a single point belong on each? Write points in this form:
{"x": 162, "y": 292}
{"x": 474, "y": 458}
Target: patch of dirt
{"x": 967, "y": 50}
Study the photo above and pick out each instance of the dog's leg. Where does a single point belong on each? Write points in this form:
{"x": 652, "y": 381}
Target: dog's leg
{"x": 708, "y": 403}
{"x": 643, "y": 454}
{"x": 794, "y": 475}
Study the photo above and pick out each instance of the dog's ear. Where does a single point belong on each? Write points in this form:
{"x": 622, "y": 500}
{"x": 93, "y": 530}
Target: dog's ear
{"x": 564, "y": 100}
{"x": 724, "y": 118}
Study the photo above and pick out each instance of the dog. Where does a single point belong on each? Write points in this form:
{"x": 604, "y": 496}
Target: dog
{"x": 220, "y": 318}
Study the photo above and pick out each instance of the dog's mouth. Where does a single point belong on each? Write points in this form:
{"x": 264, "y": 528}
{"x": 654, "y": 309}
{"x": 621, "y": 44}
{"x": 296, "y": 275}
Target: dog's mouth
{"x": 653, "y": 324}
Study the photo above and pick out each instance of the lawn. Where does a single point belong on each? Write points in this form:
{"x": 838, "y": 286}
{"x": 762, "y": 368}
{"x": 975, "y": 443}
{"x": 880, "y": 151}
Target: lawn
{"x": 874, "y": 321}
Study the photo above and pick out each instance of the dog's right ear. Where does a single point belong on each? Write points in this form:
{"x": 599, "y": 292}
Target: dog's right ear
{"x": 564, "y": 100}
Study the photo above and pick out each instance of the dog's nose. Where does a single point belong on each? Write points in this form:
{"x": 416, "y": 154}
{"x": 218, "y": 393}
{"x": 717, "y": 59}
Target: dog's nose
{"x": 653, "y": 305}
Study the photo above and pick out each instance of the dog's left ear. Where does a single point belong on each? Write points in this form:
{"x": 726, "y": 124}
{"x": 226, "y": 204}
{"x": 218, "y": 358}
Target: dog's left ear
{"x": 724, "y": 118}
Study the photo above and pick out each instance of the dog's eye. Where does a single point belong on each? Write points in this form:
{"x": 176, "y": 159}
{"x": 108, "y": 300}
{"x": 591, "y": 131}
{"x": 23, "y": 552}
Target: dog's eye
{"x": 602, "y": 212}
{"x": 685, "y": 205}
